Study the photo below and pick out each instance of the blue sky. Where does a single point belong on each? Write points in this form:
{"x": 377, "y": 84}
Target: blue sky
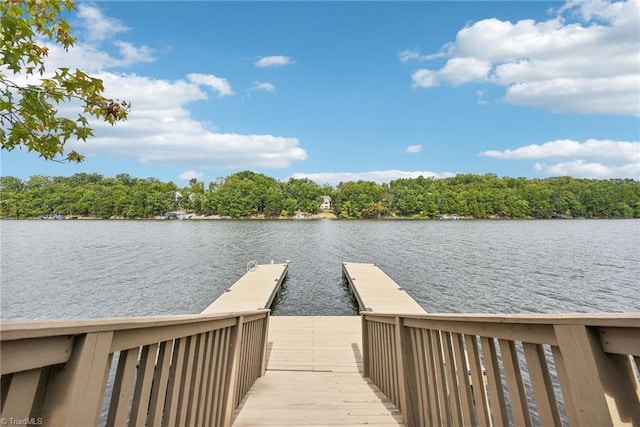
{"x": 338, "y": 91}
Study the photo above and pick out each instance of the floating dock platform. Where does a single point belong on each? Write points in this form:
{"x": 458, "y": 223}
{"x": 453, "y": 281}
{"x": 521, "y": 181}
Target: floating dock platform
{"x": 375, "y": 291}
{"x": 254, "y": 291}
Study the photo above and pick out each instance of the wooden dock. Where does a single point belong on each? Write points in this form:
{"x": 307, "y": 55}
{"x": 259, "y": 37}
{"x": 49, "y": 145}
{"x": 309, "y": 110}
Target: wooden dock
{"x": 393, "y": 365}
{"x": 254, "y": 291}
{"x": 375, "y": 291}
{"x": 314, "y": 377}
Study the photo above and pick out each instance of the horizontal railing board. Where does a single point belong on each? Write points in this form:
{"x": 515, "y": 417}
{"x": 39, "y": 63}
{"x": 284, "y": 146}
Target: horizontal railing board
{"x": 532, "y": 333}
{"x": 620, "y": 340}
{"x": 631, "y": 319}
{"x": 126, "y": 339}
{"x": 33, "y": 353}
{"x": 20, "y": 329}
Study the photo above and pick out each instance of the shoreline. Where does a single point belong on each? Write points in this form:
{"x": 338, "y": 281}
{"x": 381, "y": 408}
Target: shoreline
{"x": 314, "y": 217}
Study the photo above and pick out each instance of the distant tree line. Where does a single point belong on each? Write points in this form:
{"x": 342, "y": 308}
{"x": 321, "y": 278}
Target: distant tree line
{"x": 247, "y": 194}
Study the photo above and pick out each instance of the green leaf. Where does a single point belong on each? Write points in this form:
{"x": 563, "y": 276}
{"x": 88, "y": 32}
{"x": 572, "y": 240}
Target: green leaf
{"x": 28, "y": 117}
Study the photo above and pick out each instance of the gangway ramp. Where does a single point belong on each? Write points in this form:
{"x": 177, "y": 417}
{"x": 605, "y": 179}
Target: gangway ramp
{"x": 314, "y": 378}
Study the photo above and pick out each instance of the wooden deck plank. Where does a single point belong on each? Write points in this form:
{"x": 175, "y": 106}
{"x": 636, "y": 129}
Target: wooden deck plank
{"x": 255, "y": 290}
{"x": 375, "y": 291}
{"x": 318, "y": 343}
{"x": 314, "y": 377}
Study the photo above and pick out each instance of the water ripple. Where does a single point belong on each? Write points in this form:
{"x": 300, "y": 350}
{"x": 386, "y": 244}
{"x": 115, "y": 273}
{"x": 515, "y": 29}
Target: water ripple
{"x": 57, "y": 269}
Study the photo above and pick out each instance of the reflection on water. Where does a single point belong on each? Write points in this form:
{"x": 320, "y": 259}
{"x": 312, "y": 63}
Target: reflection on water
{"x": 57, "y": 269}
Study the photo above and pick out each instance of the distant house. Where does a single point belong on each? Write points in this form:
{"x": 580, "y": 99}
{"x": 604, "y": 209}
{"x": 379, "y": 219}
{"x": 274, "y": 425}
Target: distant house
{"x": 326, "y": 203}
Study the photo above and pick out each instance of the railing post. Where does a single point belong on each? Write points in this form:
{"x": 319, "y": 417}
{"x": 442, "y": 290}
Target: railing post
{"x": 265, "y": 346}
{"x": 402, "y": 358}
{"x": 596, "y": 393}
{"x": 365, "y": 346}
{"x": 75, "y": 394}
{"x": 233, "y": 368}
{"x": 19, "y": 401}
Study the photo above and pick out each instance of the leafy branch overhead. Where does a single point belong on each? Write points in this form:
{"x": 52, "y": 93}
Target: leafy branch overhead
{"x": 30, "y": 96}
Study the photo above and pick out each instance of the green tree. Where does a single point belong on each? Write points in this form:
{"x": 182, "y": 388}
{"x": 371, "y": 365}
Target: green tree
{"x": 11, "y": 192}
{"x": 248, "y": 193}
{"x": 362, "y": 199}
{"x": 192, "y": 198}
{"x": 305, "y": 194}
{"x": 29, "y": 113}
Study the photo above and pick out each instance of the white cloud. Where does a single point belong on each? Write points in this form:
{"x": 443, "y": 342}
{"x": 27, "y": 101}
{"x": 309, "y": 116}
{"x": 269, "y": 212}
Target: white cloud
{"x": 462, "y": 70}
{"x": 582, "y": 169}
{"x": 481, "y": 100}
{"x": 614, "y": 95}
{"x": 590, "y": 159}
{"x": 334, "y": 178}
{"x": 414, "y": 54}
{"x": 598, "y": 9}
{"x": 414, "y": 148}
{"x": 93, "y": 59}
{"x": 97, "y": 26}
{"x": 408, "y": 55}
{"x": 160, "y": 130}
{"x": 616, "y": 151}
{"x": 131, "y": 54}
{"x": 189, "y": 175}
{"x": 218, "y": 84}
{"x": 97, "y": 49}
{"x": 457, "y": 71}
{"x": 590, "y": 66}
{"x": 425, "y": 78}
{"x": 263, "y": 86}
{"x": 273, "y": 61}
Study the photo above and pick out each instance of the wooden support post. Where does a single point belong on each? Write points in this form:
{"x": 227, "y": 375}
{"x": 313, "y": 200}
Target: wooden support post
{"x": 464, "y": 379}
{"x": 123, "y": 388}
{"x": 548, "y": 413}
{"x": 496, "y": 391}
{"x": 478, "y": 380}
{"x": 419, "y": 383}
{"x": 403, "y": 362}
{"x": 76, "y": 392}
{"x": 265, "y": 345}
{"x": 232, "y": 369}
{"x": 160, "y": 382}
{"x": 21, "y": 395}
{"x": 144, "y": 380}
{"x": 365, "y": 347}
{"x": 598, "y": 395}
{"x": 172, "y": 401}
{"x": 515, "y": 384}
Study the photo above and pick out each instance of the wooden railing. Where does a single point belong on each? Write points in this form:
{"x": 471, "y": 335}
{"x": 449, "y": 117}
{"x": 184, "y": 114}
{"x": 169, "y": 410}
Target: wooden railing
{"x": 497, "y": 370}
{"x": 156, "y": 371}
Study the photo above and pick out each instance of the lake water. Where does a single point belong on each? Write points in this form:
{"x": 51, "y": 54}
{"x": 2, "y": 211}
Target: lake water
{"x": 61, "y": 269}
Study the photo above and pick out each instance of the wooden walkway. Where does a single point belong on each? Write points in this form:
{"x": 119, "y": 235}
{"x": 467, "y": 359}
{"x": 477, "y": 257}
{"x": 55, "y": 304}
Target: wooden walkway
{"x": 255, "y": 290}
{"x": 314, "y": 364}
{"x": 377, "y": 292}
{"x": 314, "y": 377}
